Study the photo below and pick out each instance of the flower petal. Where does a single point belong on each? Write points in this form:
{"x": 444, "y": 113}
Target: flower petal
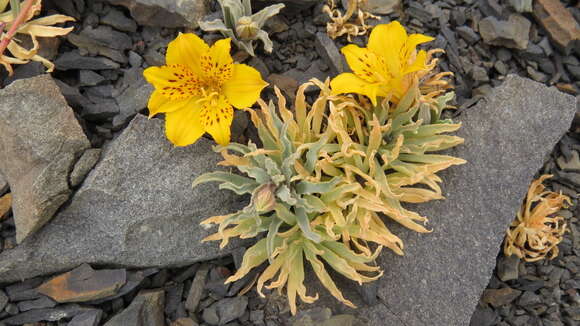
{"x": 217, "y": 63}
{"x": 183, "y": 127}
{"x": 413, "y": 41}
{"x": 420, "y": 63}
{"x": 216, "y": 117}
{"x": 161, "y": 104}
{"x": 174, "y": 81}
{"x": 245, "y": 86}
{"x": 364, "y": 63}
{"x": 388, "y": 40}
{"x": 351, "y": 83}
{"x": 186, "y": 50}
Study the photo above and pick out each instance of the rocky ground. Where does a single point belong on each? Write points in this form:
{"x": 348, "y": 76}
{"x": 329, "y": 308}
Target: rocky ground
{"x": 99, "y": 72}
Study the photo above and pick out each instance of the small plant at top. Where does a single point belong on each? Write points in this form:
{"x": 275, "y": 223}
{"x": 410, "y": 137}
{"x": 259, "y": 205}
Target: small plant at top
{"x": 17, "y": 20}
{"x": 198, "y": 88}
{"x": 537, "y": 230}
{"x": 340, "y": 25}
{"x": 241, "y": 25}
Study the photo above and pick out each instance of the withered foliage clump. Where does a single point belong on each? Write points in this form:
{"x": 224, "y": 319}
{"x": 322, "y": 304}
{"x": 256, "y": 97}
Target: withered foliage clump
{"x": 27, "y": 28}
{"x": 342, "y": 24}
{"x": 537, "y": 229}
{"x": 324, "y": 179}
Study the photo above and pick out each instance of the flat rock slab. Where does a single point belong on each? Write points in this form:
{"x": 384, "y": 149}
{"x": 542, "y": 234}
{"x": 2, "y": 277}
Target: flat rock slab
{"x": 40, "y": 141}
{"x": 135, "y": 209}
{"x": 443, "y": 274}
{"x": 145, "y": 310}
{"x": 84, "y": 284}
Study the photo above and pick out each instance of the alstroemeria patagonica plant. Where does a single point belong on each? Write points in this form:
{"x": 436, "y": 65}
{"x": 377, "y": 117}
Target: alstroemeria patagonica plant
{"x": 386, "y": 66}
{"x": 198, "y": 88}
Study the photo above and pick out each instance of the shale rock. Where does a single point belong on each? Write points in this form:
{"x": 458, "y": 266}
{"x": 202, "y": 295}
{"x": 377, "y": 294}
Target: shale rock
{"x": 135, "y": 208}
{"x": 40, "y": 141}
{"x": 440, "y": 278}
{"x": 145, "y": 310}
{"x": 166, "y": 13}
{"x": 558, "y": 21}
{"x": 513, "y": 33}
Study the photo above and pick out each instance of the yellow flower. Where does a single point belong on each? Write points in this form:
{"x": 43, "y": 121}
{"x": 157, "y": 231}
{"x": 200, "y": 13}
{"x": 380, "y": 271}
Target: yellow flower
{"x": 198, "y": 88}
{"x": 386, "y": 66}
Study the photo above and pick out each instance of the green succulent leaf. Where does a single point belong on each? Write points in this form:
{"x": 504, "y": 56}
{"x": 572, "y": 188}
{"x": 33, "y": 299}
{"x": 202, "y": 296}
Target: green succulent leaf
{"x": 236, "y": 183}
{"x": 307, "y": 187}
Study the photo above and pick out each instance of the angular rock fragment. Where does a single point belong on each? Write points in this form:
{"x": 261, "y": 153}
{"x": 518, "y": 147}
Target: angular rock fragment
{"x": 89, "y": 318}
{"x": 196, "y": 290}
{"x": 558, "y": 21}
{"x": 52, "y": 314}
{"x": 145, "y": 310}
{"x": 134, "y": 97}
{"x": 513, "y": 33}
{"x": 74, "y": 60}
{"x": 40, "y": 303}
{"x": 166, "y": 13}
{"x": 84, "y": 284}
{"x": 136, "y": 208}
{"x": 3, "y": 300}
{"x": 225, "y": 310}
{"x": 40, "y": 139}
{"x": 327, "y": 49}
{"x": 85, "y": 163}
{"x": 440, "y": 278}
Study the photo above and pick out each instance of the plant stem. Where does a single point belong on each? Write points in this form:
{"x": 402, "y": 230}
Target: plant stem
{"x": 14, "y": 26}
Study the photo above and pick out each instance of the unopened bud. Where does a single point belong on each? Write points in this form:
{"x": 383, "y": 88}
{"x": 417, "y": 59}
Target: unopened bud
{"x": 246, "y": 28}
{"x": 264, "y": 198}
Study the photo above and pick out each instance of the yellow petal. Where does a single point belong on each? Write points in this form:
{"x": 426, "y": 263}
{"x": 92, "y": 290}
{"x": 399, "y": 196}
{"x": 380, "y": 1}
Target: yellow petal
{"x": 186, "y": 50}
{"x": 388, "y": 40}
{"x": 364, "y": 63}
{"x": 183, "y": 127}
{"x": 217, "y": 64}
{"x": 351, "y": 83}
{"x": 420, "y": 63}
{"x": 413, "y": 41}
{"x": 175, "y": 82}
{"x": 245, "y": 86}
{"x": 216, "y": 118}
{"x": 161, "y": 104}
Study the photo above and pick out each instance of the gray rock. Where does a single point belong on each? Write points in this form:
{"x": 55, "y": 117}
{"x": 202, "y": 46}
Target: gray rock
{"x": 72, "y": 95}
{"x": 292, "y": 6}
{"x": 521, "y": 5}
{"x": 196, "y": 289}
{"x": 508, "y": 268}
{"x": 100, "y": 109}
{"x": 107, "y": 36}
{"x": 145, "y": 310}
{"x": 500, "y": 297}
{"x": 39, "y": 143}
{"x": 40, "y": 303}
{"x": 166, "y": 13}
{"x": 225, "y": 310}
{"x": 529, "y": 299}
{"x": 118, "y": 20}
{"x": 327, "y": 50}
{"x": 513, "y": 33}
{"x": 467, "y": 34}
{"x": 483, "y": 316}
{"x": 447, "y": 270}
{"x": 89, "y": 318}
{"x": 90, "y": 78}
{"x": 3, "y": 185}
{"x": 382, "y": 7}
{"x": 52, "y": 314}
{"x": 84, "y": 165}
{"x": 89, "y": 46}
{"x": 136, "y": 208}
{"x": 135, "y": 59}
{"x": 3, "y": 300}
{"x": 134, "y": 98}
{"x": 73, "y": 60}
{"x": 24, "y": 290}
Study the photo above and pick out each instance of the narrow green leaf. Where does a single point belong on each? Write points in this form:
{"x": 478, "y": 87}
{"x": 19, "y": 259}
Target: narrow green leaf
{"x": 307, "y": 187}
{"x": 236, "y": 183}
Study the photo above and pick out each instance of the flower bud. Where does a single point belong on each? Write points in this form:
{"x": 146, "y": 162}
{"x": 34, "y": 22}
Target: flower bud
{"x": 264, "y": 198}
{"x": 246, "y": 28}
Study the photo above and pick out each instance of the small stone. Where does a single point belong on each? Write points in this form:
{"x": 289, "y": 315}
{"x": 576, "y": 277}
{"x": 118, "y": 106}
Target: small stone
{"x": 572, "y": 164}
{"x": 513, "y": 33}
{"x": 184, "y": 322}
{"x": 84, "y": 165}
{"x": 40, "y": 303}
{"x": 118, "y": 20}
{"x": 91, "y": 47}
{"x": 166, "y": 13}
{"x": 52, "y": 314}
{"x": 145, "y": 310}
{"x": 3, "y": 300}
{"x": 135, "y": 60}
{"x": 189, "y": 272}
{"x": 528, "y": 299}
{"x": 558, "y": 21}
{"x": 467, "y": 34}
{"x": 107, "y": 36}
{"x": 500, "y": 297}
{"x": 134, "y": 97}
{"x": 286, "y": 84}
{"x": 89, "y": 78}
{"x": 89, "y": 318}
{"x": 381, "y": 7}
{"x": 507, "y": 268}
{"x": 257, "y": 317}
{"x": 504, "y": 54}
{"x": 483, "y": 316}
{"x": 501, "y": 67}
{"x": 11, "y": 309}
{"x": 73, "y": 60}
{"x": 341, "y": 320}
{"x": 84, "y": 284}
{"x": 479, "y": 74}
{"x": 100, "y": 109}
{"x": 521, "y": 6}
{"x": 536, "y": 75}
{"x": 24, "y": 290}
{"x": 329, "y": 52}
{"x": 225, "y": 310}
{"x": 196, "y": 290}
